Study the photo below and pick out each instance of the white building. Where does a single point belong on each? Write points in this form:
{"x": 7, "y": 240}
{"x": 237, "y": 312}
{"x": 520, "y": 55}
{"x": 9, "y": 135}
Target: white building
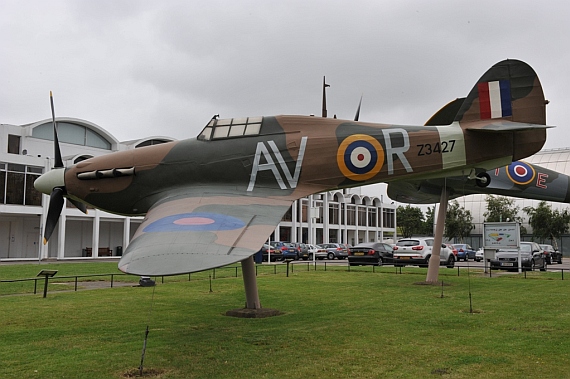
{"x": 27, "y": 152}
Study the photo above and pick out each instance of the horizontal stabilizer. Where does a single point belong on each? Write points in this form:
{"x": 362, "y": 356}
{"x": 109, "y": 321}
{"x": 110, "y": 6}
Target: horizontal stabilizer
{"x": 506, "y": 127}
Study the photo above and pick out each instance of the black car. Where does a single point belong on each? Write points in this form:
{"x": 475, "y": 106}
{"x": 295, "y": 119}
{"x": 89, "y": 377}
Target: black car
{"x": 269, "y": 250}
{"x": 532, "y": 257}
{"x": 372, "y": 253}
{"x": 552, "y": 255}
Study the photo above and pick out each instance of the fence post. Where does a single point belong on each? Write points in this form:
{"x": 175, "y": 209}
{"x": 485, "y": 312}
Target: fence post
{"x": 112, "y": 277}
{"x": 76, "y": 284}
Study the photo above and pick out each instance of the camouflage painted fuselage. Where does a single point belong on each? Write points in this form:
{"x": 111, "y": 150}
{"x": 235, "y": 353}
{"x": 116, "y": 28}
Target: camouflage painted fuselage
{"x": 291, "y": 157}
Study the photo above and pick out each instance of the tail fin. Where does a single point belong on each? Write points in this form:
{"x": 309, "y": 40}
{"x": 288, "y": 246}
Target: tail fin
{"x": 511, "y": 91}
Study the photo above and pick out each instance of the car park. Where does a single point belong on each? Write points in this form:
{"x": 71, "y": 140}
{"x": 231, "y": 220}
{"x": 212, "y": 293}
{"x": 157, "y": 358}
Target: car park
{"x": 372, "y": 253}
{"x": 418, "y": 251}
{"x": 532, "y": 257}
{"x": 464, "y": 251}
{"x": 336, "y": 250}
{"x": 552, "y": 255}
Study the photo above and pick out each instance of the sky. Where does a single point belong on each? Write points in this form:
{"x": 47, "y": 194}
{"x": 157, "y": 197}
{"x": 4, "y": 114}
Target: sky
{"x": 141, "y": 68}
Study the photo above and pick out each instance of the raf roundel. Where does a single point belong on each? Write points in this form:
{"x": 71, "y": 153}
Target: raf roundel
{"x": 360, "y": 157}
{"x": 521, "y": 172}
{"x": 195, "y": 222}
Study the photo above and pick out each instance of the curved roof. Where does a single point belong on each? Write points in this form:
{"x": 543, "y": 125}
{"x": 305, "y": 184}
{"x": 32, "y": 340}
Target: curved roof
{"x": 99, "y": 131}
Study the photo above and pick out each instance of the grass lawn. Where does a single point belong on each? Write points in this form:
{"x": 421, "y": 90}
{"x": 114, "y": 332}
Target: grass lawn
{"x": 336, "y": 324}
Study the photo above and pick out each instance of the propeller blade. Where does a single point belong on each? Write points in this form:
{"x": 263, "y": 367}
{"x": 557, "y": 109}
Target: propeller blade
{"x": 357, "y": 116}
{"x": 79, "y": 205}
{"x": 56, "y": 150}
{"x": 55, "y": 206}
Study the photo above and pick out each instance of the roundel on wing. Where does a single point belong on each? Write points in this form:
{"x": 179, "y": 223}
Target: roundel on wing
{"x": 197, "y": 222}
{"x": 360, "y": 157}
{"x": 521, "y": 172}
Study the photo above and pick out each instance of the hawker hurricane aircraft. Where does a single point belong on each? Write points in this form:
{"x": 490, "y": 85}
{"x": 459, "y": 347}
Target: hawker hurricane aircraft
{"x": 213, "y": 200}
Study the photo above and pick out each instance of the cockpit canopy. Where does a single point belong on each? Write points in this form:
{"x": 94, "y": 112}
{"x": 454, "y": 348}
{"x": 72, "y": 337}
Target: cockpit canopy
{"x": 231, "y": 128}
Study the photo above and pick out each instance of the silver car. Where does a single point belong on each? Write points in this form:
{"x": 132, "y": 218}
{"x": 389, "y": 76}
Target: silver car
{"x": 417, "y": 251}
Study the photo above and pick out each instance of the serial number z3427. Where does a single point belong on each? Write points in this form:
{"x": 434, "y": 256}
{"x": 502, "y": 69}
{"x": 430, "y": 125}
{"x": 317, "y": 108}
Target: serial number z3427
{"x": 438, "y": 148}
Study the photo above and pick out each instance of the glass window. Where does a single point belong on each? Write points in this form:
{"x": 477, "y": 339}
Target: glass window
{"x": 232, "y": 127}
{"x": 333, "y": 213}
{"x": 2, "y": 186}
{"x": 95, "y": 140}
{"x": 371, "y": 216}
{"x": 13, "y": 144}
{"x": 16, "y": 167}
{"x": 206, "y": 134}
{"x": 237, "y": 130}
{"x": 33, "y": 197}
{"x": 72, "y": 133}
{"x": 351, "y": 215}
{"x": 221, "y": 131}
{"x": 252, "y": 129}
{"x": 14, "y": 188}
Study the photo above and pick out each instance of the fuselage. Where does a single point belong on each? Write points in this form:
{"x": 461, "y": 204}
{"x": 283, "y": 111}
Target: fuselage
{"x": 287, "y": 157}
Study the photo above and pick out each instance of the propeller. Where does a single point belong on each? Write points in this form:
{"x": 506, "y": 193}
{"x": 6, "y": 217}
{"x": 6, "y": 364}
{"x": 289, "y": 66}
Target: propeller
{"x": 53, "y": 183}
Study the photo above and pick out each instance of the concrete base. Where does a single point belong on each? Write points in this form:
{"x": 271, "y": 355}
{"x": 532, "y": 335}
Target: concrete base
{"x": 253, "y": 313}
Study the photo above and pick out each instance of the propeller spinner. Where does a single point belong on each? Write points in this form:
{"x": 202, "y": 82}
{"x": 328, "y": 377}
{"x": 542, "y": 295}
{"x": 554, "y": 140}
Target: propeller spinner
{"x": 53, "y": 183}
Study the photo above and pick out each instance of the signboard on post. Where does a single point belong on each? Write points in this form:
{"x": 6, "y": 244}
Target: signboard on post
{"x": 501, "y": 235}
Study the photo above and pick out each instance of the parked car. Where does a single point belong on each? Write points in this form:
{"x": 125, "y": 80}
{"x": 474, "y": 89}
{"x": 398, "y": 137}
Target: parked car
{"x": 292, "y": 251}
{"x": 464, "y": 251}
{"x": 312, "y": 249}
{"x": 453, "y": 249}
{"x": 282, "y": 247}
{"x": 552, "y": 255}
{"x": 372, "y": 253}
{"x": 336, "y": 250}
{"x": 479, "y": 255}
{"x": 321, "y": 253}
{"x": 417, "y": 251}
{"x": 532, "y": 257}
{"x": 273, "y": 252}
{"x": 303, "y": 252}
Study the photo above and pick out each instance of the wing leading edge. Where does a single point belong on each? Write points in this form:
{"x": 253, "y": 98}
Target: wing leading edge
{"x": 188, "y": 234}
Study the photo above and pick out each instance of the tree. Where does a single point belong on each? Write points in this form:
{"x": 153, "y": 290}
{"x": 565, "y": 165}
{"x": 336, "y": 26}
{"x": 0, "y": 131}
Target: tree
{"x": 458, "y": 222}
{"x": 502, "y": 209}
{"x": 546, "y": 223}
{"x": 410, "y": 220}
{"x": 427, "y": 228}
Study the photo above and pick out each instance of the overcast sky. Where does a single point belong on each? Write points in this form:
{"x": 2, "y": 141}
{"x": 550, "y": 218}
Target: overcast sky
{"x": 142, "y": 68}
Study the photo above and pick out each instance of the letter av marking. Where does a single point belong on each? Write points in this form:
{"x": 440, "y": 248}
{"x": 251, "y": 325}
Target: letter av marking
{"x": 270, "y": 165}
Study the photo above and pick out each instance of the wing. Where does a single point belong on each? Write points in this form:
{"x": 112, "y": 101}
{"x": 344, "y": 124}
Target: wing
{"x": 188, "y": 233}
{"x": 519, "y": 179}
